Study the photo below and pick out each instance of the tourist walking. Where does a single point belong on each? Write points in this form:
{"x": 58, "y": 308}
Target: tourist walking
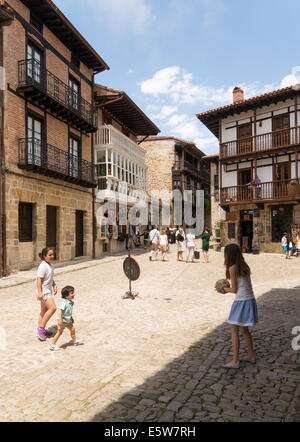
{"x": 298, "y": 245}
{"x": 290, "y": 246}
{"x": 45, "y": 289}
{"x": 284, "y": 244}
{"x": 65, "y": 318}
{"x": 180, "y": 237}
{"x": 172, "y": 235}
{"x": 190, "y": 244}
{"x": 163, "y": 243}
{"x": 243, "y": 313}
{"x": 205, "y": 243}
{"x": 154, "y": 241}
{"x": 146, "y": 238}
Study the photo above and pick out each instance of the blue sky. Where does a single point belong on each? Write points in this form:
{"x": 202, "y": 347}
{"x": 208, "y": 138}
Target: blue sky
{"x": 176, "y": 58}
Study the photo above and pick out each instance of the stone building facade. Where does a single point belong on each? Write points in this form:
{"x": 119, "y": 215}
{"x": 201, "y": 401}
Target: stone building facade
{"x": 176, "y": 164}
{"x": 49, "y": 120}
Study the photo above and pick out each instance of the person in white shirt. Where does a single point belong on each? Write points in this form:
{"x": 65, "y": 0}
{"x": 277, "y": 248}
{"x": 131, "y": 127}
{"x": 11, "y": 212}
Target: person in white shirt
{"x": 284, "y": 244}
{"x": 190, "y": 244}
{"x": 163, "y": 243}
{"x": 154, "y": 236}
{"x": 45, "y": 289}
{"x": 298, "y": 245}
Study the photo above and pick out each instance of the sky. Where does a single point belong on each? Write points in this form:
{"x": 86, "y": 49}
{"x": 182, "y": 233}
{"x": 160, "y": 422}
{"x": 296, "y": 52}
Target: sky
{"x": 177, "y": 58}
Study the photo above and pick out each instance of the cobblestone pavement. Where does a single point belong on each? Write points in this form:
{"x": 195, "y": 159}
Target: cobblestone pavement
{"x": 156, "y": 358}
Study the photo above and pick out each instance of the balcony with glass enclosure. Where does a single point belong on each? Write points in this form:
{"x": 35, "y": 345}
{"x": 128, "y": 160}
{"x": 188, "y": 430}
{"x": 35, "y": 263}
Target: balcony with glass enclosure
{"x": 120, "y": 166}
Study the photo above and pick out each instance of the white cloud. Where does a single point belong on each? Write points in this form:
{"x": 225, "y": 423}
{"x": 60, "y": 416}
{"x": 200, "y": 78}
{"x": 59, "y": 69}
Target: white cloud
{"x": 133, "y": 15}
{"x": 165, "y": 112}
{"x": 130, "y": 15}
{"x": 292, "y": 78}
{"x": 189, "y": 128}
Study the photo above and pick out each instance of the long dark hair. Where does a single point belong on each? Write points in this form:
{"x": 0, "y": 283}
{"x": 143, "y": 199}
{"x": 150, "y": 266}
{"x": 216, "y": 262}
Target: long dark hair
{"x": 45, "y": 252}
{"x": 234, "y": 256}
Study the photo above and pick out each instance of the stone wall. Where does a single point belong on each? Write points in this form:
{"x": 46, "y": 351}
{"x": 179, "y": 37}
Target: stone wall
{"x": 43, "y": 192}
{"x": 160, "y": 158}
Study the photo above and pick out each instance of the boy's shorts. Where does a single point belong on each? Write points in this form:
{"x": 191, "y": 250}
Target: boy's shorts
{"x": 68, "y": 325}
{"x": 285, "y": 249}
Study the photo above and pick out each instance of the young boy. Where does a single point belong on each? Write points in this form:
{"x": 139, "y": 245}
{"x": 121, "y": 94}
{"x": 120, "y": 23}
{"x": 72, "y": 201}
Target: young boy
{"x": 65, "y": 319}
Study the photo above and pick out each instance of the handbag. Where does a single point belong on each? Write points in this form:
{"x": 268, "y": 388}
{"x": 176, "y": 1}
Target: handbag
{"x": 196, "y": 254}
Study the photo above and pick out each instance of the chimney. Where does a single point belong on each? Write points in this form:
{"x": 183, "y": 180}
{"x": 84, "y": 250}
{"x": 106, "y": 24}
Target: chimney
{"x": 238, "y": 94}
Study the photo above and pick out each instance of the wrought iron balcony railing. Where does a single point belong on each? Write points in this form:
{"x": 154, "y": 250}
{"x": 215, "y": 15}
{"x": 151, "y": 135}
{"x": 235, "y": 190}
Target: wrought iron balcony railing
{"x": 43, "y": 87}
{"x": 270, "y": 191}
{"x": 42, "y": 158}
{"x": 261, "y": 143}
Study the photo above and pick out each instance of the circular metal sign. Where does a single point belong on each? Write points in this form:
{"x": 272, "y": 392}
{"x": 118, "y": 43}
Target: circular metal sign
{"x": 131, "y": 269}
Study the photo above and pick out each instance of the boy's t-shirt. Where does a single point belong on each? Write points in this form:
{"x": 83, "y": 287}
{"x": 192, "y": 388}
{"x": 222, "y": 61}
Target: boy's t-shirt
{"x": 66, "y": 307}
{"x": 284, "y": 241}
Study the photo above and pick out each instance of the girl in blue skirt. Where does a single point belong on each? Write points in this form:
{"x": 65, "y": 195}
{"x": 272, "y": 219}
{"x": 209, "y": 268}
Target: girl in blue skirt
{"x": 243, "y": 312}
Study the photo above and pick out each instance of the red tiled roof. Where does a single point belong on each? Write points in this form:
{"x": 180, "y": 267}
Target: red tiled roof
{"x": 189, "y": 143}
{"x": 211, "y": 117}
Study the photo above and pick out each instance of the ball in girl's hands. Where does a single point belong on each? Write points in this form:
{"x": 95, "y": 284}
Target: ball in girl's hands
{"x": 222, "y": 284}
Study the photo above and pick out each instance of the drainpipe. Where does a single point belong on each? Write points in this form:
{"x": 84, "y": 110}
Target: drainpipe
{"x": 6, "y": 19}
{"x": 93, "y": 189}
{"x": 2, "y": 169}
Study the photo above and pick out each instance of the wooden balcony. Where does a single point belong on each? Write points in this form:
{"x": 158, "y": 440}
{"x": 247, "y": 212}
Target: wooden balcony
{"x": 45, "y": 89}
{"x": 44, "y": 159}
{"x": 264, "y": 192}
{"x": 254, "y": 146}
{"x": 185, "y": 166}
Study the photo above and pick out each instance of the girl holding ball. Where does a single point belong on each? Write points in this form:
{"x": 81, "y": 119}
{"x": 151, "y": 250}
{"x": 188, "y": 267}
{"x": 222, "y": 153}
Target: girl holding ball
{"x": 243, "y": 312}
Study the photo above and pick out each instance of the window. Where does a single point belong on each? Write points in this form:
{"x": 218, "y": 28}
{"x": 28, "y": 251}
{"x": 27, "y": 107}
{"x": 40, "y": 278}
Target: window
{"x": 216, "y": 182}
{"x": 36, "y": 23}
{"x": 75, "y": 60}
{"x": 74, "y": 93}
{"x": 34, "y": 140}
{"x": 281, "y": 135}
{"x": 34, "y": 62}
{"x": 74, "y": 156}
{"x": 25, "y": 222}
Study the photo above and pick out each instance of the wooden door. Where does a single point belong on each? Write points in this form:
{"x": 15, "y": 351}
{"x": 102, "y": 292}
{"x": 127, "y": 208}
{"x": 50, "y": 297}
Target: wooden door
{"x": 281, "y": 135}
{"x": 51, "y": 233}
{"x": 244, "y": 181}
{"x": 282, "y": 175}
{"x": 79, "y": 233}
{"x": 244, "y": 135}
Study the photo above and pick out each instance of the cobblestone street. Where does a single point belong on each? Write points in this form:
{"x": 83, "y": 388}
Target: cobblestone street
{"x": 156, "y": 358}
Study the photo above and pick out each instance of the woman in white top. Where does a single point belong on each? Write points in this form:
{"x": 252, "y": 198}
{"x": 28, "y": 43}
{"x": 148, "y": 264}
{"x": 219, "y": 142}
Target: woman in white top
{"x": 190, "y": 244}
{"x": 45, "y": 289}
{"x": 163, "y": 243}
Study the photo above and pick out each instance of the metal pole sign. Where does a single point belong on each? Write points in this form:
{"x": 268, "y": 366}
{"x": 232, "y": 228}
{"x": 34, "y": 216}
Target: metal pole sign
{"x": 132, "y": 271}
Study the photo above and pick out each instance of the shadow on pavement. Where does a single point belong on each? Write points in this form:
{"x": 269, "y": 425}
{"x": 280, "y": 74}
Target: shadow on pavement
{"x": 193, "y": 387}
